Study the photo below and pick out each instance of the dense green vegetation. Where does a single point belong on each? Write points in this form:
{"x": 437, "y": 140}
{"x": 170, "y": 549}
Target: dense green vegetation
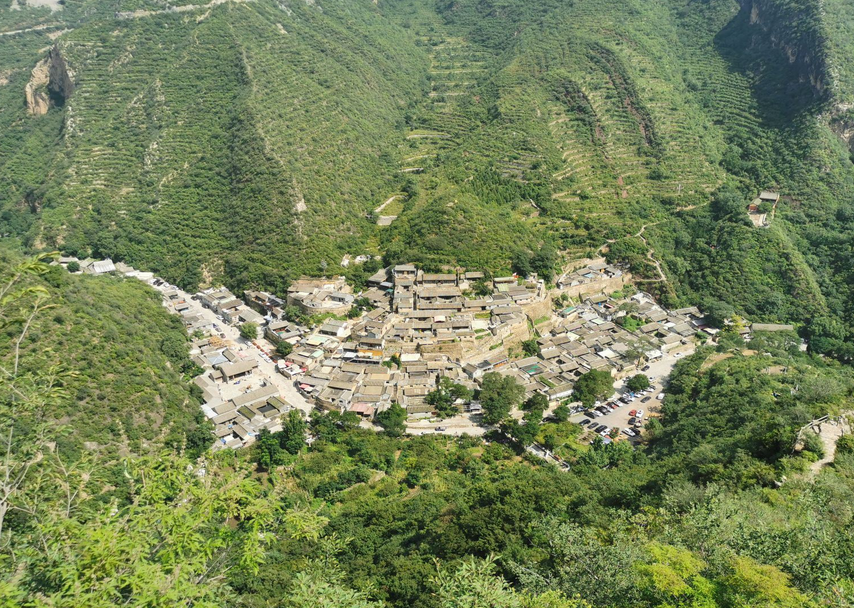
{"x": 118, "y": 360}
{"x": 252, "y": 141}
{"x": 719, "y": 510}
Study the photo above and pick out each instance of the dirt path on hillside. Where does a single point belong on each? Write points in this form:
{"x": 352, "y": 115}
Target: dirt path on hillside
{"x": 174, "y": 9}
{"x": 385, "y": 204}
{"x": 36, "y": 28}
{"x": 650, "y": 254}
{"x": 829, "y": 432}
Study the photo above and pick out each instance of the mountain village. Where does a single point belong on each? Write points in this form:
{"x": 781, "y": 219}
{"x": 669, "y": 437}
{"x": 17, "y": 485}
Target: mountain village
{"x": 409, "y": 330}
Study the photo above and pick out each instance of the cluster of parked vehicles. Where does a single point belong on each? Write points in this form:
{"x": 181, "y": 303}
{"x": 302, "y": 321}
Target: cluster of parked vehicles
{"x": 600, "y": 429}
{"x": 636, "y": 416}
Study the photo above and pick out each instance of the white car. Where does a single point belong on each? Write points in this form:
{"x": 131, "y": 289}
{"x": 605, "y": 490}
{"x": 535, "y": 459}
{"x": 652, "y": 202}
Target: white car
{"x": 639, "y": 415}
{"x": 629, "y": 432}
{"x": 660, "y": 396}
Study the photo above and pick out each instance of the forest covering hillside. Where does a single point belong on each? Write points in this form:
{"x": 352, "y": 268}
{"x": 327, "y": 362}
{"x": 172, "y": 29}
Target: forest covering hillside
{"x": 251, "y": 142}
{"x": 118, "y": 361}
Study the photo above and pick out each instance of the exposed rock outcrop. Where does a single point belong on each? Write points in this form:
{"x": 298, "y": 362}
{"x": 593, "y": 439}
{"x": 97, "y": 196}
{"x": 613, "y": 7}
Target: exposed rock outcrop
{"x": 798, "y": 34}
{"x": 61, "y": 85}
{"x": 50, "y": 84}
{"x": 35, "y": 91}
{"x": 841, "y": 121}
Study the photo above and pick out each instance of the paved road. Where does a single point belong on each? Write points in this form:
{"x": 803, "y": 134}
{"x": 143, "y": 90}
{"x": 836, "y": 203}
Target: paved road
{"x": 267, "y": 370}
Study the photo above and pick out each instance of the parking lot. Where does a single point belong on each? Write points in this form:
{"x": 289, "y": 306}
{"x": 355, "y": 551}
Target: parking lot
{"x": 620, "y": 417}
{"x": 619, "y": 414}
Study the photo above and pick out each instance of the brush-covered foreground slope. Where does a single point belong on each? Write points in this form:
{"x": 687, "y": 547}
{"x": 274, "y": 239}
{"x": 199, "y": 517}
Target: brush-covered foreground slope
{"x": 253, "y": 141}
{"x": 108, "y": 363}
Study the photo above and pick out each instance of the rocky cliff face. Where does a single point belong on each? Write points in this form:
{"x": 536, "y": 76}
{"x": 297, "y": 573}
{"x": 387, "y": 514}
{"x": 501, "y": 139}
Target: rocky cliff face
{"x": 841, "y": 122}
{"x": 798, "y": 34}
{"x": 50, "y": 84}
{"x": 61, "y": 85}
{"x": 35, "y": 90}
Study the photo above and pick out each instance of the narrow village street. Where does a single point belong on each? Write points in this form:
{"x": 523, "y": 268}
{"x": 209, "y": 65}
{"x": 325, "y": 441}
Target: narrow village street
{"x": 232, "y": 334}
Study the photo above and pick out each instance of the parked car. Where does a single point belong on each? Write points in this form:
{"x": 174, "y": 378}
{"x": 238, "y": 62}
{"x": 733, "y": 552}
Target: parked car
{"x": 645, "y": 399}
{"x": 645, "y": 368}
{"x": 660, "y": 396}
{"x": 629, "y": 432}
{"x": 605, "y": 432}
{"x": 613, "y": 406}
{"x": 590, "y": 414}
{"x": 584, "y": 422}
{"x": 439, "y": 429}
{"x": 640, "y": 414}
{"x": 601, "y": 428}
{"x": 633, "y": 420}
{"x": 633, "y": 412}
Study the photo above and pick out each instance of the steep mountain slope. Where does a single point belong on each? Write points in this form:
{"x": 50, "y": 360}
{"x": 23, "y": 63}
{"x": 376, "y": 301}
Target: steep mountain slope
{"x": 243, "y": 128}
{"x": 253, "y": 141}
{"x": 107, "y": 363}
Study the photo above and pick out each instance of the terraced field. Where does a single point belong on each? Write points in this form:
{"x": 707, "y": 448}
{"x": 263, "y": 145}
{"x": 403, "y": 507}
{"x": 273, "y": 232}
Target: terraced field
{"x": 254, "y": 141}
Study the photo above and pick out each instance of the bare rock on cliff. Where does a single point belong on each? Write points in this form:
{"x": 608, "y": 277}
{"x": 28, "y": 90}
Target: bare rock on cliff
{"x": 51, "y": 83}
{"x": 36, "y": 89}
{"x": 61, "y": 85}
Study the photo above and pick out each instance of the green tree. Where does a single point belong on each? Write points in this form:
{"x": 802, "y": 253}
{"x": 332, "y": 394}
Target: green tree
{"x": 536, "y": 402}
{"x": 728, "y": 202}
{"x": 531, "y": 347}
{"x": 166, "y": 545}
{"x": 671, "y": 576}
{"x": 498, "y": 396}
{"x": 73, "y": 266}
{"x": 393, "y": 420}
{"x": 639, "y": 382}
{"x": 249, "y": 331}
{"x": 283, "y": 349}
{"x": 752, "y": 584}
{"x": 534, "y": 408}
{"x": 717, "y": 312}
{"x": 476, "y": 584}
{"x": 445, "y": 396}
{"x": 266, "y": 451}
{"x": 482, "y": 288}
{"x": 593, "y": 386}
{"x": 523, "y": 434}
{"x": 292, "y": 436}
{"x": 561, "y": 412}
{"x": 331, "y": 426}
{"x": 295, "y": 315}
